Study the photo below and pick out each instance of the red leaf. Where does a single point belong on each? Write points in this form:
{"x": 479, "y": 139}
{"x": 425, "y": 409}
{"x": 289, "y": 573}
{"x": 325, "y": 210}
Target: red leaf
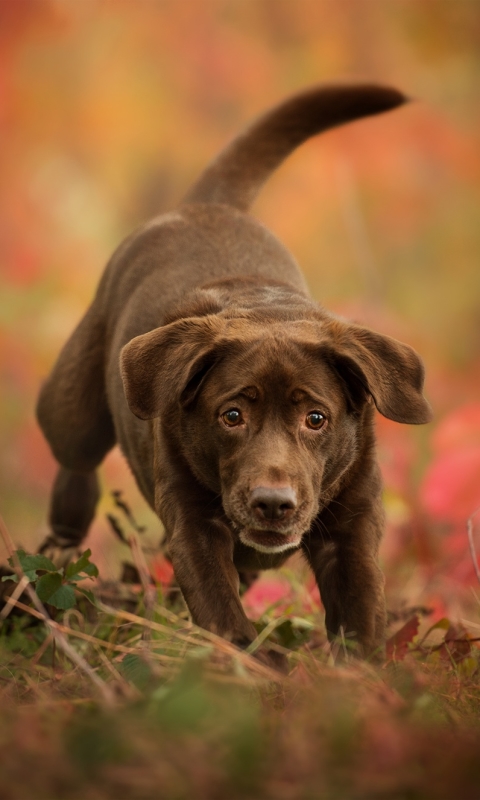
{"x": 457, "y": 644}
{"x": 397, "y": 645}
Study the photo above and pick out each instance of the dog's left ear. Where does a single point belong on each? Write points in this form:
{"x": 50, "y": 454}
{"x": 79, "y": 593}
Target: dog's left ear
{"x": 168, "y": 364}
{"x": 391, "y": 372}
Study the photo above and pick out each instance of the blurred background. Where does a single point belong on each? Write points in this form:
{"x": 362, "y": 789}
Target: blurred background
{"x": 110, "y": 109}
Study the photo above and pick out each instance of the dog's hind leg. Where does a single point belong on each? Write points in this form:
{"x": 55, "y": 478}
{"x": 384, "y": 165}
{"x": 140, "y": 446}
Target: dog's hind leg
{"x": 72, "y": 509}
{"x": 72, "y": 409}
{"x": 75, "y": 418}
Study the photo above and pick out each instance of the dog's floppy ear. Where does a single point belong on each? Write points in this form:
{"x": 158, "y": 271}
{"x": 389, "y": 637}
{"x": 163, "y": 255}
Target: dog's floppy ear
{"x": 168, "y": 363}
{"x": 391, "y": 372}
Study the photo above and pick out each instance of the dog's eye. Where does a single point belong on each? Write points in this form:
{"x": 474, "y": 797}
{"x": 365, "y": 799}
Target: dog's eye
{"x": 232, "y": 417}
{"x": 315, "y": 420}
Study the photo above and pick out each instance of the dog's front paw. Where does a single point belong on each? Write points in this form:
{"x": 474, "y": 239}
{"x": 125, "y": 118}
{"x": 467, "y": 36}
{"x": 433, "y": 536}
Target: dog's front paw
{"x": 59, "y": 553}
{"x": 273, "y": 659}
{"x": 266, "y": 655}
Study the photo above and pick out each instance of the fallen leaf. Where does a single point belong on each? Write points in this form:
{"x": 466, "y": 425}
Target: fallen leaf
{"x": 397, "y": 645}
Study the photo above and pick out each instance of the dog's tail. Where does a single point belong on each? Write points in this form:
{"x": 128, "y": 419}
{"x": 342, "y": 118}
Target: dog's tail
{"x": 238, "y": 173}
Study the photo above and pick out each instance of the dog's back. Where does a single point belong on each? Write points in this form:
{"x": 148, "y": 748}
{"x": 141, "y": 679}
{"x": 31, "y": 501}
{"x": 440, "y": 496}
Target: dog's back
{"x": 210, "y": 237}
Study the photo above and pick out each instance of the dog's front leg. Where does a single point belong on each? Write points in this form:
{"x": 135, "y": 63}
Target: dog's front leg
{"x": 351, "y": 586}
{"x": 202, "y": 558}
{"x": 201, "y": 551}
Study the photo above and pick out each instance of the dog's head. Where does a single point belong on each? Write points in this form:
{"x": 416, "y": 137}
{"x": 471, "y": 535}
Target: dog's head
{"x": 271, "y": 415}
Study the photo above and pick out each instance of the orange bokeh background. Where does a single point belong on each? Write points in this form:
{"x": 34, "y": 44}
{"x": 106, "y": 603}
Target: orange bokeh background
{"x": 110, "y": 109}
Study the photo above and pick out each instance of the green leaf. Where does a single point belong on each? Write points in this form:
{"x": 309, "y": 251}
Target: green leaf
{"x": 32, "y": 576}
{"x": 47, "y": 585}
{"x": 82, "y": 565}
{"x": 91, "y": 570}
{"x": 63, "y": 598}
{"x": 291, "y": 635}
{"x": 32, "y": 563}
{"x": 88, "y": 594}
{"x": 13, "y": 578}
{"x": 136, "y": 670}
{"x": 51, "y": 589}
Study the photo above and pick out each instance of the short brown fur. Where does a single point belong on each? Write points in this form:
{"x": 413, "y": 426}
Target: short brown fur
{"x": 244, "y": 409}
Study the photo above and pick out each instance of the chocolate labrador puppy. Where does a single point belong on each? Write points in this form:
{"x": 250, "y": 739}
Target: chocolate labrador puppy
{"x": 245, "y": 410}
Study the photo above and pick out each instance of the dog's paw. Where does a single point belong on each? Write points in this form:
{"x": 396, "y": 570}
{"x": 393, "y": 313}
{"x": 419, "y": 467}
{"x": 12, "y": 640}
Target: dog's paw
{"x": 273, "y": 659}
{"x": 266, "y": 655}
{"x": 59, "y": 554}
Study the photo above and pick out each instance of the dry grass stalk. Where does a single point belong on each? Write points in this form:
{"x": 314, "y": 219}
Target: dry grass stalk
{"x": 11, "y": 600}
{"x": 264, "y": 634}
{"x": 169, "y": 663}
{"x": 471, "y": 542}
{"x": 221, "y": 644}
{"x": 86, "y": 637}
{"x": 149, "y": 589}
{"x": 128, "y": 690}
{"x": 41, "y": 650}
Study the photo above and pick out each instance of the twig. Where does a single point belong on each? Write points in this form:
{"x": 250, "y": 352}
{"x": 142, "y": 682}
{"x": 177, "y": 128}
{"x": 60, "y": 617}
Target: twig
{"x": 156, "y": 626}
{"x": 11, "y": 600}
{"x": 149, "y": 590}
{"x": 473, "y": 552}
{"x": 468, "y": 622}
{"x": 34, "y": 687}
{"x": 77, "y": 659}
{"x": 127, "y": 688}
{"x": 45, "y": 644}
{"x": 264, "y": 634}
{"x": 163, "y": 611}
{"x": 434, "y": 647}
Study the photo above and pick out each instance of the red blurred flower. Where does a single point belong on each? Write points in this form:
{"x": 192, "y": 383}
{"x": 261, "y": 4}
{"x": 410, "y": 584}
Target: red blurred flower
{"x": 267, "y": 592}
{"x": 162, "y": 571}
{"x": 451, "y": 486}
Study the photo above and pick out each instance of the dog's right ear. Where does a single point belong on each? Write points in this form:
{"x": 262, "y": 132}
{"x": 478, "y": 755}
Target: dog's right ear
{"x": 169, "y": 364}
{"x": 389, "y": 371}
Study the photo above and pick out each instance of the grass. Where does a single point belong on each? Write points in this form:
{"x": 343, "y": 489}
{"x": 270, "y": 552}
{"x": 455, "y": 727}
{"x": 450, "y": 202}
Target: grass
{"x": 127, "y": 699}
{"x": 182, "y": 714}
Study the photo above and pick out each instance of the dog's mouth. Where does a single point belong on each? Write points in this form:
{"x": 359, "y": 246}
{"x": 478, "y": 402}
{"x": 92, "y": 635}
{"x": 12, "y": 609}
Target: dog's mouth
{"x": 272, "y": 535}
{"x": 269, "y": 541}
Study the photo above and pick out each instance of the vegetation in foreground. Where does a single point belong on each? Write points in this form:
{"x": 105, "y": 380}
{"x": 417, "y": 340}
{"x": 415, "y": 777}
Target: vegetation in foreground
{"x": 134, "y": 701}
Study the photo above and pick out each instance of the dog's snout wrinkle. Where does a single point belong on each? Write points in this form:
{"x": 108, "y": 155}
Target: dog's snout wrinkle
{"x": 273, "y": 502}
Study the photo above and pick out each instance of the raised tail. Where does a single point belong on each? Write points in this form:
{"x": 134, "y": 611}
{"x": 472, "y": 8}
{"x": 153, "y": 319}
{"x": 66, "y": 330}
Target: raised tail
{"x": 238, "y": 173}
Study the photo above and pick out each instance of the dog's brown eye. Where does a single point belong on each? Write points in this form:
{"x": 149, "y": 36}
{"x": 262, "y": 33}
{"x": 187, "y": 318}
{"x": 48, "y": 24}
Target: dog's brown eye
{"x": 232, "y": 417}
{"x": 315, "y": 420}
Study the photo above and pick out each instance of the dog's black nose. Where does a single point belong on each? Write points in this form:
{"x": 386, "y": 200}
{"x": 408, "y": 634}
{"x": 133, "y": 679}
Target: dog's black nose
{"x": 269, "y": 502}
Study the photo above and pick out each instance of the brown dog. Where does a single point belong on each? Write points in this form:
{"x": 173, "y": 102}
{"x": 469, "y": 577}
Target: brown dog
{"x": 244, "y": 409}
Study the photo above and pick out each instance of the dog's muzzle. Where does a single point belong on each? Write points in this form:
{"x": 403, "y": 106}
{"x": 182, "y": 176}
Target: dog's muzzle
{"x": 268, "y": 518}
